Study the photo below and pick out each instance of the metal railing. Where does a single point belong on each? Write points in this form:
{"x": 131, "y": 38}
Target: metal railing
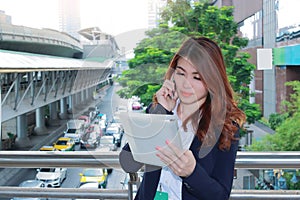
{"x": 33, "y": 159}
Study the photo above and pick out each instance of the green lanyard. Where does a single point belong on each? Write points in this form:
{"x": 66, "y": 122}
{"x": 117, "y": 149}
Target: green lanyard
{"x": 159, "y": 195}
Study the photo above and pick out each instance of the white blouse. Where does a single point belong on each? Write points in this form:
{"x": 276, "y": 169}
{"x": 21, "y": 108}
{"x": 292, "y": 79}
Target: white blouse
{"x": 169, "y": 182}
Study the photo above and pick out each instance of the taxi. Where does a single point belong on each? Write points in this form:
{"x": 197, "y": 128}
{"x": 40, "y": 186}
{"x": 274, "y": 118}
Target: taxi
{"x": 64, "y": 144}
{"x": 94, "y": 175}
{"x": 47, "y": 148}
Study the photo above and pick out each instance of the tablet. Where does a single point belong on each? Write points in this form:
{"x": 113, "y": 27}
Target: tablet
{"x": 144, "y": 132}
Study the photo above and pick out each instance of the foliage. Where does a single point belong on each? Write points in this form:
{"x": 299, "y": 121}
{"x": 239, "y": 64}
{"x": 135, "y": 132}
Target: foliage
{"x": 287, "y": 137}
{"x": 189, "y": 18}
{"x": 251, "y": 110}
{"x": 276, "y": 119}
{"x": 293, "y": 105}
{"x": 264, "y": 121}
{"x": 290, "y": 184}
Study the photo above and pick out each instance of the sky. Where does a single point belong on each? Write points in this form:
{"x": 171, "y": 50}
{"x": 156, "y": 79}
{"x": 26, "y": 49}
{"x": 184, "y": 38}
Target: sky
{"x": 288, "y": 13}
{"x": 111, "y": 16}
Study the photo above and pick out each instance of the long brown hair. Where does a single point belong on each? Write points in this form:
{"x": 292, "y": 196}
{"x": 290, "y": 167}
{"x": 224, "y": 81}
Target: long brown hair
{"x": 219, "y": 115}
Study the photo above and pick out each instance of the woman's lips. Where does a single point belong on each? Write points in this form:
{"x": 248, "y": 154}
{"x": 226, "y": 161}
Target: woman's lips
{"x": 186, "y": 94}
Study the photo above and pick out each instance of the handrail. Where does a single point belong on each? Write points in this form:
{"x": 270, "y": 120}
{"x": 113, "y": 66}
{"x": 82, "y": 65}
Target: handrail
{"x": 83, "y": 193}
{"x": 71, "y": 193}
{"x": 33, "y": 159}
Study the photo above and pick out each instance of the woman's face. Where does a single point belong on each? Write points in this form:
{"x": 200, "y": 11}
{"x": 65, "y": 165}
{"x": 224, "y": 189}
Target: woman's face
{"x": 189, "y": 85}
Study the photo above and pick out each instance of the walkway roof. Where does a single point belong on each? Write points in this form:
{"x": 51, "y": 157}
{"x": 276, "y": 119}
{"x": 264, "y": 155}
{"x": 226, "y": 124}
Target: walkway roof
{"x": 12, "y": 61}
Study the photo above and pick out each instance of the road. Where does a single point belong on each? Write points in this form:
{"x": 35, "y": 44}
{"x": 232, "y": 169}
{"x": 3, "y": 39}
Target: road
{"x": 110, "y": 102}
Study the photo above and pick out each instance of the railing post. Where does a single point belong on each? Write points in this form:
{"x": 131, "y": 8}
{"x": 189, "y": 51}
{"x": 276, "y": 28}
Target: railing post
{"x": 134, "y": 179}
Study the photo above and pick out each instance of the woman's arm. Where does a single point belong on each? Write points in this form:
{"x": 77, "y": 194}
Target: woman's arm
{"x": 127, "y": 162}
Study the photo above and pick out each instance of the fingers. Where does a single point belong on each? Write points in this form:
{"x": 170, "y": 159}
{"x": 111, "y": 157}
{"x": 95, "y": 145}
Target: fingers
{"x": 171, "y": 154}
{"x": 167, "y": 89}
{"x": 181, "y": 162}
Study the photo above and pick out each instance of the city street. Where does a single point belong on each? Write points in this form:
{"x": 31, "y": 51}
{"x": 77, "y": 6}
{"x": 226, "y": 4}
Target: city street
{"x": 108, "y": 105}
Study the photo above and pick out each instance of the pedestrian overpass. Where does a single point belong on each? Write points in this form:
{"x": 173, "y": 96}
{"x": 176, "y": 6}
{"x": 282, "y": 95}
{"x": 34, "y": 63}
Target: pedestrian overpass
{"x": 50, "y": 73}
{"x": 32, "y": 82}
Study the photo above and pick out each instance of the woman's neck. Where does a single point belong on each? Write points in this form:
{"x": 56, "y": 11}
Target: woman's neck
{"x": 185, "y": 110}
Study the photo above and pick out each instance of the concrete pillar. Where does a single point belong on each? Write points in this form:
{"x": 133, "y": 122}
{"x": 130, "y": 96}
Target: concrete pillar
{"x": 269, "y": 36}
{"x": 22, "y": 139}
{"x": 71, "y": 104}
{"x": 82, "y": 97}
{"x": 78, "y": 98}
{"x": 40, "y": 127}
{"x": 71, "y": 108}
{"x": 63, "y": 109}
{"x": 53, "y": 121}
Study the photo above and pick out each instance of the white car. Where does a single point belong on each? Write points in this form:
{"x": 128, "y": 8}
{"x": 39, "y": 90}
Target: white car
{"x": 115, "y": 130}
{"x": 89, "y": 185}
{"x": 107, "y": 142}
{"x": 31, "y": 184}
{"x": 53, "y": 177}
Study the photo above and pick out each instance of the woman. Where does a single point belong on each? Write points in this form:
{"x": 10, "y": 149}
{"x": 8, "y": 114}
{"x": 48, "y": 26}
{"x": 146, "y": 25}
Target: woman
{"x": 197, "y": 90}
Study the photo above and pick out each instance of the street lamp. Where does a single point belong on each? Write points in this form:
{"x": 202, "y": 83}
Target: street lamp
{"x": 294, "y": 178}
{"x": 282, "y": 183}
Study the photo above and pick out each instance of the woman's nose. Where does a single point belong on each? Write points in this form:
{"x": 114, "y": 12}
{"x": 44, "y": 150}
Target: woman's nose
{"x": 186, "y": 83}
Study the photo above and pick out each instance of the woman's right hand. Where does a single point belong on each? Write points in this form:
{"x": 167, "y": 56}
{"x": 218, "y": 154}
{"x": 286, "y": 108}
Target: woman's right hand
{"x": 167, "y": 95}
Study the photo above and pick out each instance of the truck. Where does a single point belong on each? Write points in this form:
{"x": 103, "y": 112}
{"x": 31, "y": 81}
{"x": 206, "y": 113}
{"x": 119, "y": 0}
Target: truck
{"x": 75, "y": 128}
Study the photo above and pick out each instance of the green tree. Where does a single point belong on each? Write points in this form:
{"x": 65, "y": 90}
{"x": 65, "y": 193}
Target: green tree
{"x": 287, "y": 137}
{"x": 192, "y": 19}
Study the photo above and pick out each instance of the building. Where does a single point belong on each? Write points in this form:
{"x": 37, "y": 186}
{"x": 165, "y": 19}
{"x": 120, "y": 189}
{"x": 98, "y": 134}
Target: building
{"x": 100, "y": 45}
{"x": 264, "y": 23}
{"x": 69, "y": 17}
{"x": 154, "y": 9}
{"x": 4, "y": 18}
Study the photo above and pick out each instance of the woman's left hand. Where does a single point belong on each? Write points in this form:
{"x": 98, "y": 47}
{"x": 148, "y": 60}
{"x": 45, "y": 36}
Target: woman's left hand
{"x": 181, "y": 162}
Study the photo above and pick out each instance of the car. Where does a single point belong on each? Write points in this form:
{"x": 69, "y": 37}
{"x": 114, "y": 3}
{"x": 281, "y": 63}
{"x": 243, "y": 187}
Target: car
{"x": 98, "y": 175}
{"x": 53, "y": 177}
{"x": 86, "y": 120}
{"x": 31, "y": 184}
{"x": 97, "y": 108}
{"x": 136, "y": 105}
{"x": 114, "y": 130}
{"x": 64, "y": 144}
{"x": 91, "y": 185}
{"x": 91, "y": 138}
{"x": 107, "y": 143}
{"x": 101, "y": 120}
{"x": 102, "y": 124}
{"x": 47, "y": 148}
{"x": 75, "y": 128}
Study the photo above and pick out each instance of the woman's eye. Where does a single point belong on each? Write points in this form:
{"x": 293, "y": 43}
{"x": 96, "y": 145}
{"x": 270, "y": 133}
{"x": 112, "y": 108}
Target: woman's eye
{"x": 179, "y": 73}
{"x": 197, "y": 78}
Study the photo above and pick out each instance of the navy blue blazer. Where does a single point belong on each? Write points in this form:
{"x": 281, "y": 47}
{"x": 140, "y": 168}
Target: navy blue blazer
{"x": 211, "y": 179}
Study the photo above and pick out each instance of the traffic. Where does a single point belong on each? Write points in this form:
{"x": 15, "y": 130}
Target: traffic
{"x": 100, "y": 130}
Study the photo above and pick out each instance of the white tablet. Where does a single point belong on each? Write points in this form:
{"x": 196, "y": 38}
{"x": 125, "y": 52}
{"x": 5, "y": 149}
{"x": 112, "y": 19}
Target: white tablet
{"x": 145, "y": 132}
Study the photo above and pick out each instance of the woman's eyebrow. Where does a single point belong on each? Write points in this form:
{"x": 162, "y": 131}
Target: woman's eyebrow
{"x": 181, "y": 68}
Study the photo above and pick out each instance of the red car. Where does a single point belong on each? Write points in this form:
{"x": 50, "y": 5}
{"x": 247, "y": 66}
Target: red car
{"x": 136, "y": 106}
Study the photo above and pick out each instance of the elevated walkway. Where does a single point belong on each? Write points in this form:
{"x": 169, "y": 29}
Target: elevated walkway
{"x": 40, "y": 41}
